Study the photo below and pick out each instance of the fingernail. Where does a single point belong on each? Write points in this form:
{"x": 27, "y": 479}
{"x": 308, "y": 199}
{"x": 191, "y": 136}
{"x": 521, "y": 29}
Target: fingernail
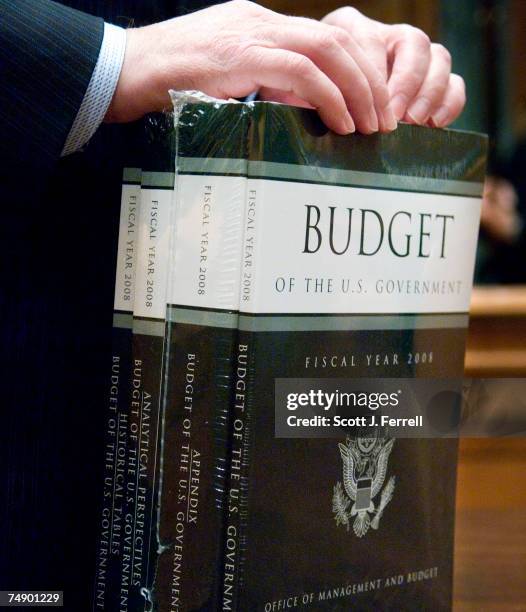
{"x": 388, "y": 119}
{"x": 419, "y": 110}
{"x": 398, "y": 105}
{"x": 373, "y": 120}
{"x": 349, "y": 124}
{"x": 441, "y": 116}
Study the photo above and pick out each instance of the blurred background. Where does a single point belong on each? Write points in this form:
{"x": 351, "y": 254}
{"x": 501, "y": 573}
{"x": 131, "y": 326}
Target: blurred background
{"x": 487, "y": 39}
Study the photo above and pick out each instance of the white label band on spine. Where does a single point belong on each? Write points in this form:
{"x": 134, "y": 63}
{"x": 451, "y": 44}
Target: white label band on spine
{"x": 153, "y": 256}
{"x": 208, "y": 241}
{"x": 127, "y": 248}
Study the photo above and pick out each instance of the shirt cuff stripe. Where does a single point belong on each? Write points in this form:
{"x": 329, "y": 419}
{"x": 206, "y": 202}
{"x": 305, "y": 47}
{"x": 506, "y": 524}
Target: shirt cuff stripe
{"x": 100, "y": 89}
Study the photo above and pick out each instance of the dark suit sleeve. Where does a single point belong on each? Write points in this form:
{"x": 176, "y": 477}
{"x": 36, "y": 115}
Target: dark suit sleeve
{"x": 47, "y": 56}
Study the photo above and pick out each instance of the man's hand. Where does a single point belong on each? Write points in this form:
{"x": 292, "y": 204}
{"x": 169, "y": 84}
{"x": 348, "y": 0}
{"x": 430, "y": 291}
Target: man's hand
{"x": 233, "y": 49}
{"x": 421, "y": 86}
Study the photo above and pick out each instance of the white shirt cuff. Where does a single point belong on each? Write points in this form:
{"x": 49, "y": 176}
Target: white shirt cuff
{"x": 100, "y": 89}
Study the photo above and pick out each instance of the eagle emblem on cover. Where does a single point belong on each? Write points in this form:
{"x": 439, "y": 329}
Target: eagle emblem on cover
{"x": 364, "y": 472}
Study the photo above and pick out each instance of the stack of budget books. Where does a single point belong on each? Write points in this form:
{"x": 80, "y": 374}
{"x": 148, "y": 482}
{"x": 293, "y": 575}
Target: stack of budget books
{"x": 256, "y": 245}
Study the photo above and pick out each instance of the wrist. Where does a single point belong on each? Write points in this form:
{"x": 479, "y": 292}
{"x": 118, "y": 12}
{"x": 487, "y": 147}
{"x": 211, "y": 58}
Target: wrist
{"x": 137, "y": 90}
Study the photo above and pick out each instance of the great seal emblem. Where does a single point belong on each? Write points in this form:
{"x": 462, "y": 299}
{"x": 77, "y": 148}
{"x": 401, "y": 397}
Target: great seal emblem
{"x": 364, "y": 472}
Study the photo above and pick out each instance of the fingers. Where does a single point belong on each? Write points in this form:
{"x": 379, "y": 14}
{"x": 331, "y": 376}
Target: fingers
{"x": 432, "y": 91}
{"x": 374, "y": 49}
{"x": 375, "y": 77}
{"x": 421, "y": 87}
{"x": 295, "y": 73}
{"x": 452, "y": 103}
{"x": 365, "y": 43}
{"x": 367, "y": 33}
{"x": 357, "y": 79}
{"x": 409, "y": 52}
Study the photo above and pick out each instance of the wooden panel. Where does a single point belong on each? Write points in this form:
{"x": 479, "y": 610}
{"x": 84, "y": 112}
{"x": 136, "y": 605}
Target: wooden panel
{"x": 496, "y": 344}
{"x": 490, "y": 534}
{"x": 490, "y": 541}
{"x": 492, "y": 474}
{"x": 490, "y": 561}
{"x": 491, "y": 301}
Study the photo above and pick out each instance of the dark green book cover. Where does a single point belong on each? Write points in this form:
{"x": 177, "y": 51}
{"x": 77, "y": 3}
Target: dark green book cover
{"x": 203, "y": 298}
{"x": 145, "y": 419}
{"x": 357, "y": 261}
{"x": 111, "y": 521}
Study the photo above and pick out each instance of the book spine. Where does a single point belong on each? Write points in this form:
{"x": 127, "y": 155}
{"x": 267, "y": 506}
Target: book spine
{"x": 109, "y": 551}
{"x": 148, "y": 342}
{"x": 241, "y": 420}
{"x": 202, "y": 327}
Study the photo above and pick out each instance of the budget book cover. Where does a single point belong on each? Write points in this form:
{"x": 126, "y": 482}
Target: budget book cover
{"x": 357, "y": 262}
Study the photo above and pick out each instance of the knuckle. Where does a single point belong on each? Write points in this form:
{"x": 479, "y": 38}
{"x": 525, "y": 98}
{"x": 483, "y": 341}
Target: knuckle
{"x": 376, "y": 79}
{"x": 377, "y": 85}
{"x": 374, "y": 38}
{"x": 416, "y": 34}
{"x": 341, "y": 36}
{"x": 301, "y": 66}
{"x": 343, "y": 15}
{"x": 247, "y": 7}
{"x": 403, "y": 29}
{"x": 409, "y": 78}
{"x": 245, "y": 54}
{"x": 436, "y": 91}
{"x": 363, "y": 92}
{"x": 421, "y": 37}
{"x": 325, "y": 41}
{"x": 350, "y": 12}
{"x": 442, "y": 52}
{"x": 264, "y": 31}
